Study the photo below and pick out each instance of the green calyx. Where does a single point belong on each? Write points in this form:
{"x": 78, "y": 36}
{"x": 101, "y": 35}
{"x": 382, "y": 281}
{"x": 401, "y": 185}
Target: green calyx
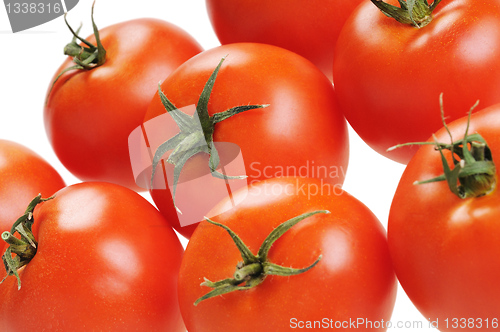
{"x": 26, "y": 246}
{"x": 196, "y": 133}
{"x": 474, "y": 172}
{"x": 87, "y": 56}
{"x": 414, "y": 12}
{"x": 255, "y": 268}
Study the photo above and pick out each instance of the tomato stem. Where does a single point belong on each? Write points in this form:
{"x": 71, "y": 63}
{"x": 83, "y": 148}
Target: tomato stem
{"x": 12, "y": 240}
{"x": 474, "y": 172}
{"x": 25, "y": 247}
{"x": 413, "y": 12}
{"x": 196, "y": 133}
{"x": 248, "y": 271}
{"x": 85, "y": 57}
{"x": 255, "y": 268}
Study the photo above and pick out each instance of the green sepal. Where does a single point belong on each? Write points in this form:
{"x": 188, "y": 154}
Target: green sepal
{"x": 282, "y": 229}
{"x": 100, "y": 51}
{"x": 246, "y": 254}
{"x": 227, "y": 288}
{"x": 278, "y": 270}
{"x": 180, "y": 164}
{"x": 11, "y": 266}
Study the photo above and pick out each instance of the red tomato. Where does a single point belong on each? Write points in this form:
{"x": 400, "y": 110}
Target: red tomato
{"x": 354, "y": 278}
{"x": 445, "y": 249}
{"x": 388, "y": 75}
{"x": 90, "y": 113}
{"x": 301, "y": 133}
{"x": 106, "y": 261}
{"x": 24, "y": 174}
{"x": 308, "y": 28}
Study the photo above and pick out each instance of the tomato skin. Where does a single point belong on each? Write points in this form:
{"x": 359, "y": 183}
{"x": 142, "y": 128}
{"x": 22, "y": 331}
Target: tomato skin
{"x": 24, "y": 174}
{"x": 302, "y": 127}
{"x": 89, "y": 114}
{"x": 307, "y": 28}
{"x": 353, "y": 279}
{"x": 444, "y": 248}
{"x": 106, "y": 261}
{"x": 388, "y": 85}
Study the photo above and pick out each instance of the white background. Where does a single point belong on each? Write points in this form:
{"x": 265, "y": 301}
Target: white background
{"x": 29, "y": 59}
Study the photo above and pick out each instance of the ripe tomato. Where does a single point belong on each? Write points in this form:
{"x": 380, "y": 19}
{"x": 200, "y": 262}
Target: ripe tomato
{"x": 388, "y": 84}
{"x": 353, "y": 279}
{"x": 106, "y": 261}
{"x": 308, "y": 28}
{"x": 90, "y": 113}
{"x": 445, "y": 249}
{"x": 24, "y": 174}
{"x": 301, "y": 133}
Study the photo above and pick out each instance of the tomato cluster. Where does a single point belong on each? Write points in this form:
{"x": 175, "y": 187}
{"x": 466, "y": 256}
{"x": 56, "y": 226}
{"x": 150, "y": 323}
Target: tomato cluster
{"x": 244, "y": 150}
